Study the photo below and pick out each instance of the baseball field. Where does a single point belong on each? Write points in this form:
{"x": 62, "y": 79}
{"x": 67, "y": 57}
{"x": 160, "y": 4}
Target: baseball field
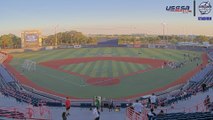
{"x": 107, "y": 72}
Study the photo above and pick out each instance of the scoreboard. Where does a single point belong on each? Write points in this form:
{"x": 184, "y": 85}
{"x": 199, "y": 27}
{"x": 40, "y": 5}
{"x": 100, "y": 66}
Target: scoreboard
{"x": 31, "y": 38}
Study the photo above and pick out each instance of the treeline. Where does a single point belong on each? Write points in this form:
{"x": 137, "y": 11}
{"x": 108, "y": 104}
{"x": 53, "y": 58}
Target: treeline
{"x": 62, "y": 38}
{"x": 69, "y": 38}
{"x": 145, "y": 39}
{"x": 10, "y": 41}
{"x": 76, "y": 38}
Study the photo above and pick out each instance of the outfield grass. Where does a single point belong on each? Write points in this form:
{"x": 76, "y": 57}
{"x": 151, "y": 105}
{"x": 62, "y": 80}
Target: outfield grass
{"x": 41, "y": 56}
{"x": 68, "y": 84}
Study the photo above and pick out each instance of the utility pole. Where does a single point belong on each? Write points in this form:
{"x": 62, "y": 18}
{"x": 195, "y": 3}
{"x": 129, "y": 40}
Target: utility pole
{"x": 164, "y": 25}
{"x": 56, "y": 36}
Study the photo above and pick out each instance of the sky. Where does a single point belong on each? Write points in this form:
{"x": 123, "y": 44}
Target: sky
{"x": 101, "y": 17}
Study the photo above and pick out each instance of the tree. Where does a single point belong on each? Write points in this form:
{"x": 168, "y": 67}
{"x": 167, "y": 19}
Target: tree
{"x": 69, "y": 38}
{"x": 16, "y": 41}
{"x": 211, "y": 40}
{"x": 10, "y": 41}
{"x": 201, "y": 38}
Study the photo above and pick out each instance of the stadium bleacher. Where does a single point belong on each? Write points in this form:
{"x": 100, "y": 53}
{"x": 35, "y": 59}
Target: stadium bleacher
{"x": 6, "y": 75}
{"x": 186, "y": 116}
{"x": 198, "y": 77}
{"x": 12, "y": 114}
{"x": 10, "y": 87}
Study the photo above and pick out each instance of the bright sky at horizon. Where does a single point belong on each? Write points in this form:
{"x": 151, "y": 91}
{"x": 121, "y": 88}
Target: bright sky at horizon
{"x": 101, "y": 17}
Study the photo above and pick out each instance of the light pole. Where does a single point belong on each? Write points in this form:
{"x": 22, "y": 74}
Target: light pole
{"x": 164, "y": 26}
{"x": 56, "y": 36}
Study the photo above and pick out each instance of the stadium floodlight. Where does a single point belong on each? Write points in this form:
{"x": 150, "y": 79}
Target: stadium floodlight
{"x": 133, "y": 30}
{"x": 164, "y": 27}
{"x": 56, "y": 37}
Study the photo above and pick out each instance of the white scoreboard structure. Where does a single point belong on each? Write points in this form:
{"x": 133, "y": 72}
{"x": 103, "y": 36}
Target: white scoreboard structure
{"x": 31, "y": 38}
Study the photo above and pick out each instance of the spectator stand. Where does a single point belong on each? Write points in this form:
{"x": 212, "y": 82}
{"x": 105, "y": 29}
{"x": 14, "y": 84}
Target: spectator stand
{"x": 28, "y": 113}
{"x": 10, "y": 87}
{"x": 199, "y": 108}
